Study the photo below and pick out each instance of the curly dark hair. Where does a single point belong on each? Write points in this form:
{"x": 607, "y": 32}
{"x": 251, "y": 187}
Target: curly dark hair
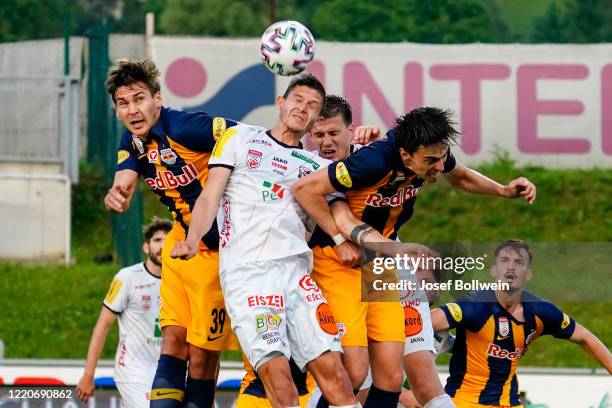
{"x": 425, "y": 126}
{"x": 128, "y": 71}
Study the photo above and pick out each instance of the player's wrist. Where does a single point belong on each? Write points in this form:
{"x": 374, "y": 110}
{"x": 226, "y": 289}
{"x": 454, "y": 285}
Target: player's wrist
{"x": 338, "y": 239}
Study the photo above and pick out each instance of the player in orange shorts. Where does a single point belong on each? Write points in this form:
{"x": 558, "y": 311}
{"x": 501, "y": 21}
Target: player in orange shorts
{"x": 170, "y": 150}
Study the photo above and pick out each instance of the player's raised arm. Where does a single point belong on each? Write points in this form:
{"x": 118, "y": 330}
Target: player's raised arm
{"x": 204, "y": 212}
{"x": 467, "y": 179}
{"x": 439, "y": 321}
{"x": 593, "y": 346}
{"x": 85, "y": 388}
{"x": 119, "y": 195}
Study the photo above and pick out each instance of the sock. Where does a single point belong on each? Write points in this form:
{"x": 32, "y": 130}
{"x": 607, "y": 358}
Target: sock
{"x": 378, "y": 398}
{"x": 441, "y": 401}
{"x": 168, "y": 387}
{"x": 199, "y": 393}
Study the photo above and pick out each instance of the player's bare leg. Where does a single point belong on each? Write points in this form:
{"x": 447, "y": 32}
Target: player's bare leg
{"x": 387, "y": 374}
{"x": 332, "y": 379}
{"x": 276, "y": 377}
{"x": 356, "y": 362}
{"x": 424, "y": 381}
{"x": 202, "y": 379}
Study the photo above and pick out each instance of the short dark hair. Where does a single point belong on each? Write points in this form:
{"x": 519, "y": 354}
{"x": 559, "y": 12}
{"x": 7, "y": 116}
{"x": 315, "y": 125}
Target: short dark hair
{"x": 425, "y": 126}
{"x": 156, "y": 224}
{"x": 337, "y": 105}
{"x": 517, "y": 245}
{"x": 308, "y": 80}
{"x": 128, "y": 71}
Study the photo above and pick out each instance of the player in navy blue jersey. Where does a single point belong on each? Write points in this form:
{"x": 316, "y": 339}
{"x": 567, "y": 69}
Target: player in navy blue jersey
{"x": 170, "y": 149}
{"x": 495, "y": 328}
{"x": 381, "y": 182}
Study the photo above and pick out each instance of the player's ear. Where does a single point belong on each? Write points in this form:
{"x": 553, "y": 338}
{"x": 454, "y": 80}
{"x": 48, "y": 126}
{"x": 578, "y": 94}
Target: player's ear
{"x": 158, "y": 100}
{"x": 351, "y": 129}
{"x": 280, "y": 101}
{"x": 145, "y": 247}
{"x": 529, "y": 274}
{"x": 493, "y": 271}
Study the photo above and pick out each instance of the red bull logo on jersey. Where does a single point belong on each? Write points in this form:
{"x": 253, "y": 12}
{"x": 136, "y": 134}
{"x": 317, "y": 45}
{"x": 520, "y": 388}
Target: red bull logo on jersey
{"x": 496, "y": 351}
{"x": 166, "y": 179}
{"x": 402, "y": 195}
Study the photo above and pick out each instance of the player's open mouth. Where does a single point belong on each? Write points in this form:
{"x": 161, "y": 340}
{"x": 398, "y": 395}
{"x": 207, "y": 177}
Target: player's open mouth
{"x": 137, "y": 123}
{"x": 510, "y": 276}
{"x": 328, "y": 152}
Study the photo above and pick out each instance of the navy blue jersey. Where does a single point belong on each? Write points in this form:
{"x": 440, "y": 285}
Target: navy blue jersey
{"x": 490, "y": 343}
{"x": 174, "y": 161}
{"x": 380, "y": 190}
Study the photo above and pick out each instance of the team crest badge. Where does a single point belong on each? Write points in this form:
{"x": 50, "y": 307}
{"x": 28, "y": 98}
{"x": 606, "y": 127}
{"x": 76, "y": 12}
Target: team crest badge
{"x": 168, "y": 156}
{"x": 153, "y": 155}
{"x": 253, "y": 158}
{"x": 504, "y": 326}
{"x": 146, "y": 302}
{"x": 138, "y": 143}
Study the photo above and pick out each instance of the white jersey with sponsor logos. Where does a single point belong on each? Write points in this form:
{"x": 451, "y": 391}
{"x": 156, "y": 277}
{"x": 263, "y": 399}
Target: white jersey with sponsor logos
{"x": 259, "y": 219}
{"x": 134, "y": 296}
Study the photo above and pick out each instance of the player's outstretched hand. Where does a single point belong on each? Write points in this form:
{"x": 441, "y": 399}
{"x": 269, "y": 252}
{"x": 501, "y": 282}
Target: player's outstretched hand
{"x": 366, "y": 134}
{"x": 117, "y": 199}
{"x": 521, "y": 187}
{"x": 184, "y": 250}
{"x": 85, "y": 388}
{"x": 349, "y": 253}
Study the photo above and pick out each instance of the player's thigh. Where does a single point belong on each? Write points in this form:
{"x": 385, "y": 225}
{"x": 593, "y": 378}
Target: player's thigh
{"x": 251, "y": 401}
{"x": 134, "y": 395}
{"x": 255, "y": 296}
{"x": 341, "y": 287}
{"x": 385, "y": 322}
{"x": 175, "y": 310}
{"x": 418, "y": 328}
{"x": 311, "y": 326}
{"x": 209, "y": 325}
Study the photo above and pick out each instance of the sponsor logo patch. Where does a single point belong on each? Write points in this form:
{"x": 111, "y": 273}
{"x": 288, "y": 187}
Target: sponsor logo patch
{"x": 265, "y": 322}
{"x": 326, "y": 319}
{"x": 146, "y": 302}
{"x": 218, "y": 127}
{"x": 153, "y": 155}
{"x": 402, "y": 195}
{"x": 138, "y": 144}
{"x": 303, "y": 171}
{"x": 165, "y": 179}
{"x": 343, "y": 176}
{"x": 308, "y": 160}
{"x": 455, "y": 311}
{"x": 272, "y": 191}
{"x": 114, "y": 288}
{"x": 218, "y": 149}
{"x": 253, "y": 158}
{"x": 122, "y": 155}
{"x": 503, "y": 326}
{"x": 168, "y": 156}
{"x": 566, "y": 321}
{"x": 224, "y": 233}
{"x": 413, "y": 321}
{"x": 269, "y": 300}
{"x": 496, "y": 351}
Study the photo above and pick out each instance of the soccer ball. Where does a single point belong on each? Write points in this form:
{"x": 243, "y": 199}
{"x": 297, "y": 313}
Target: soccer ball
{"x": 286, "y": 48}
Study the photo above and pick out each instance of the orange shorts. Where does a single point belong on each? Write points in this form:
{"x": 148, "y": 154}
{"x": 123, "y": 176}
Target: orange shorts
{"x": 192, "y": 298}
{"x": 362, "y": 321}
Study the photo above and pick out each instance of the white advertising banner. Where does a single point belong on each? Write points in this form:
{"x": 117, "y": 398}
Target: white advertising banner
{"x": 547, "y": 105}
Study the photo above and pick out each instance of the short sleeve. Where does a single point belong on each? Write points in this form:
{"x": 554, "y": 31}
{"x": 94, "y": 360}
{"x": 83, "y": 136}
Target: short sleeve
{"x": 464, "y": 313}
{"x": 127, "y": 156}
{"x": 225, "y": 152}
{"x": 556, "y": 323}
{"x": 116, "y": 298}
{"x": 449, "y": 163}
{"x": 365, "y": 168}
{"x": 197, "y": 131}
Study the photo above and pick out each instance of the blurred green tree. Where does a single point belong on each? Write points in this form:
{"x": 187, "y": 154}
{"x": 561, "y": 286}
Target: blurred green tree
{"x": 575, "y": 21}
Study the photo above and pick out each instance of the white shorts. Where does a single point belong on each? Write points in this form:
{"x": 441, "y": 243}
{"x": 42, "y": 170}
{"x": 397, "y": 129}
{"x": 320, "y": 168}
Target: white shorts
{"x": 417, "y": 320}
{"x": 134, "y": 395}
{"x": 277, "y": 308}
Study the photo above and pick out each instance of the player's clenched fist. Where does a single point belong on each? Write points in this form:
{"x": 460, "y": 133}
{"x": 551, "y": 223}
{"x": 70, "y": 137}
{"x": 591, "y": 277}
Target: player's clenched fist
{"x": 184, "y": 250}
{"x": 117, "y": 199}
{"x": 85, "y": 388}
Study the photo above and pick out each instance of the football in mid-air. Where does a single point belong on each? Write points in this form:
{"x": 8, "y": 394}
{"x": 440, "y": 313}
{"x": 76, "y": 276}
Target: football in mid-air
{"x": 287, "y": 47}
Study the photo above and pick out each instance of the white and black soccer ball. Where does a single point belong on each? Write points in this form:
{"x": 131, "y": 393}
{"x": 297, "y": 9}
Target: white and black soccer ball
{"x": 287, "y": 47}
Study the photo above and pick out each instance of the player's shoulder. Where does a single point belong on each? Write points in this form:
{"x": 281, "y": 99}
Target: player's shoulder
{"x": 539, "y": 306}
{"x": 130, "y": 272}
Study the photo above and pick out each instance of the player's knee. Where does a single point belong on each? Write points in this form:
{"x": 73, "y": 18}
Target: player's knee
{"x": 425, "y": 387}
{"x": 357, "y": 374}
{"x": 202, "y": 363}
{"x": 174, "y": 342}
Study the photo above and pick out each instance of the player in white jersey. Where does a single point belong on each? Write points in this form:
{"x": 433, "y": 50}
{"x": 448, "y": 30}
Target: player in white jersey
{"x": 133, "y": 299}
{"x": 277, "y": 310}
